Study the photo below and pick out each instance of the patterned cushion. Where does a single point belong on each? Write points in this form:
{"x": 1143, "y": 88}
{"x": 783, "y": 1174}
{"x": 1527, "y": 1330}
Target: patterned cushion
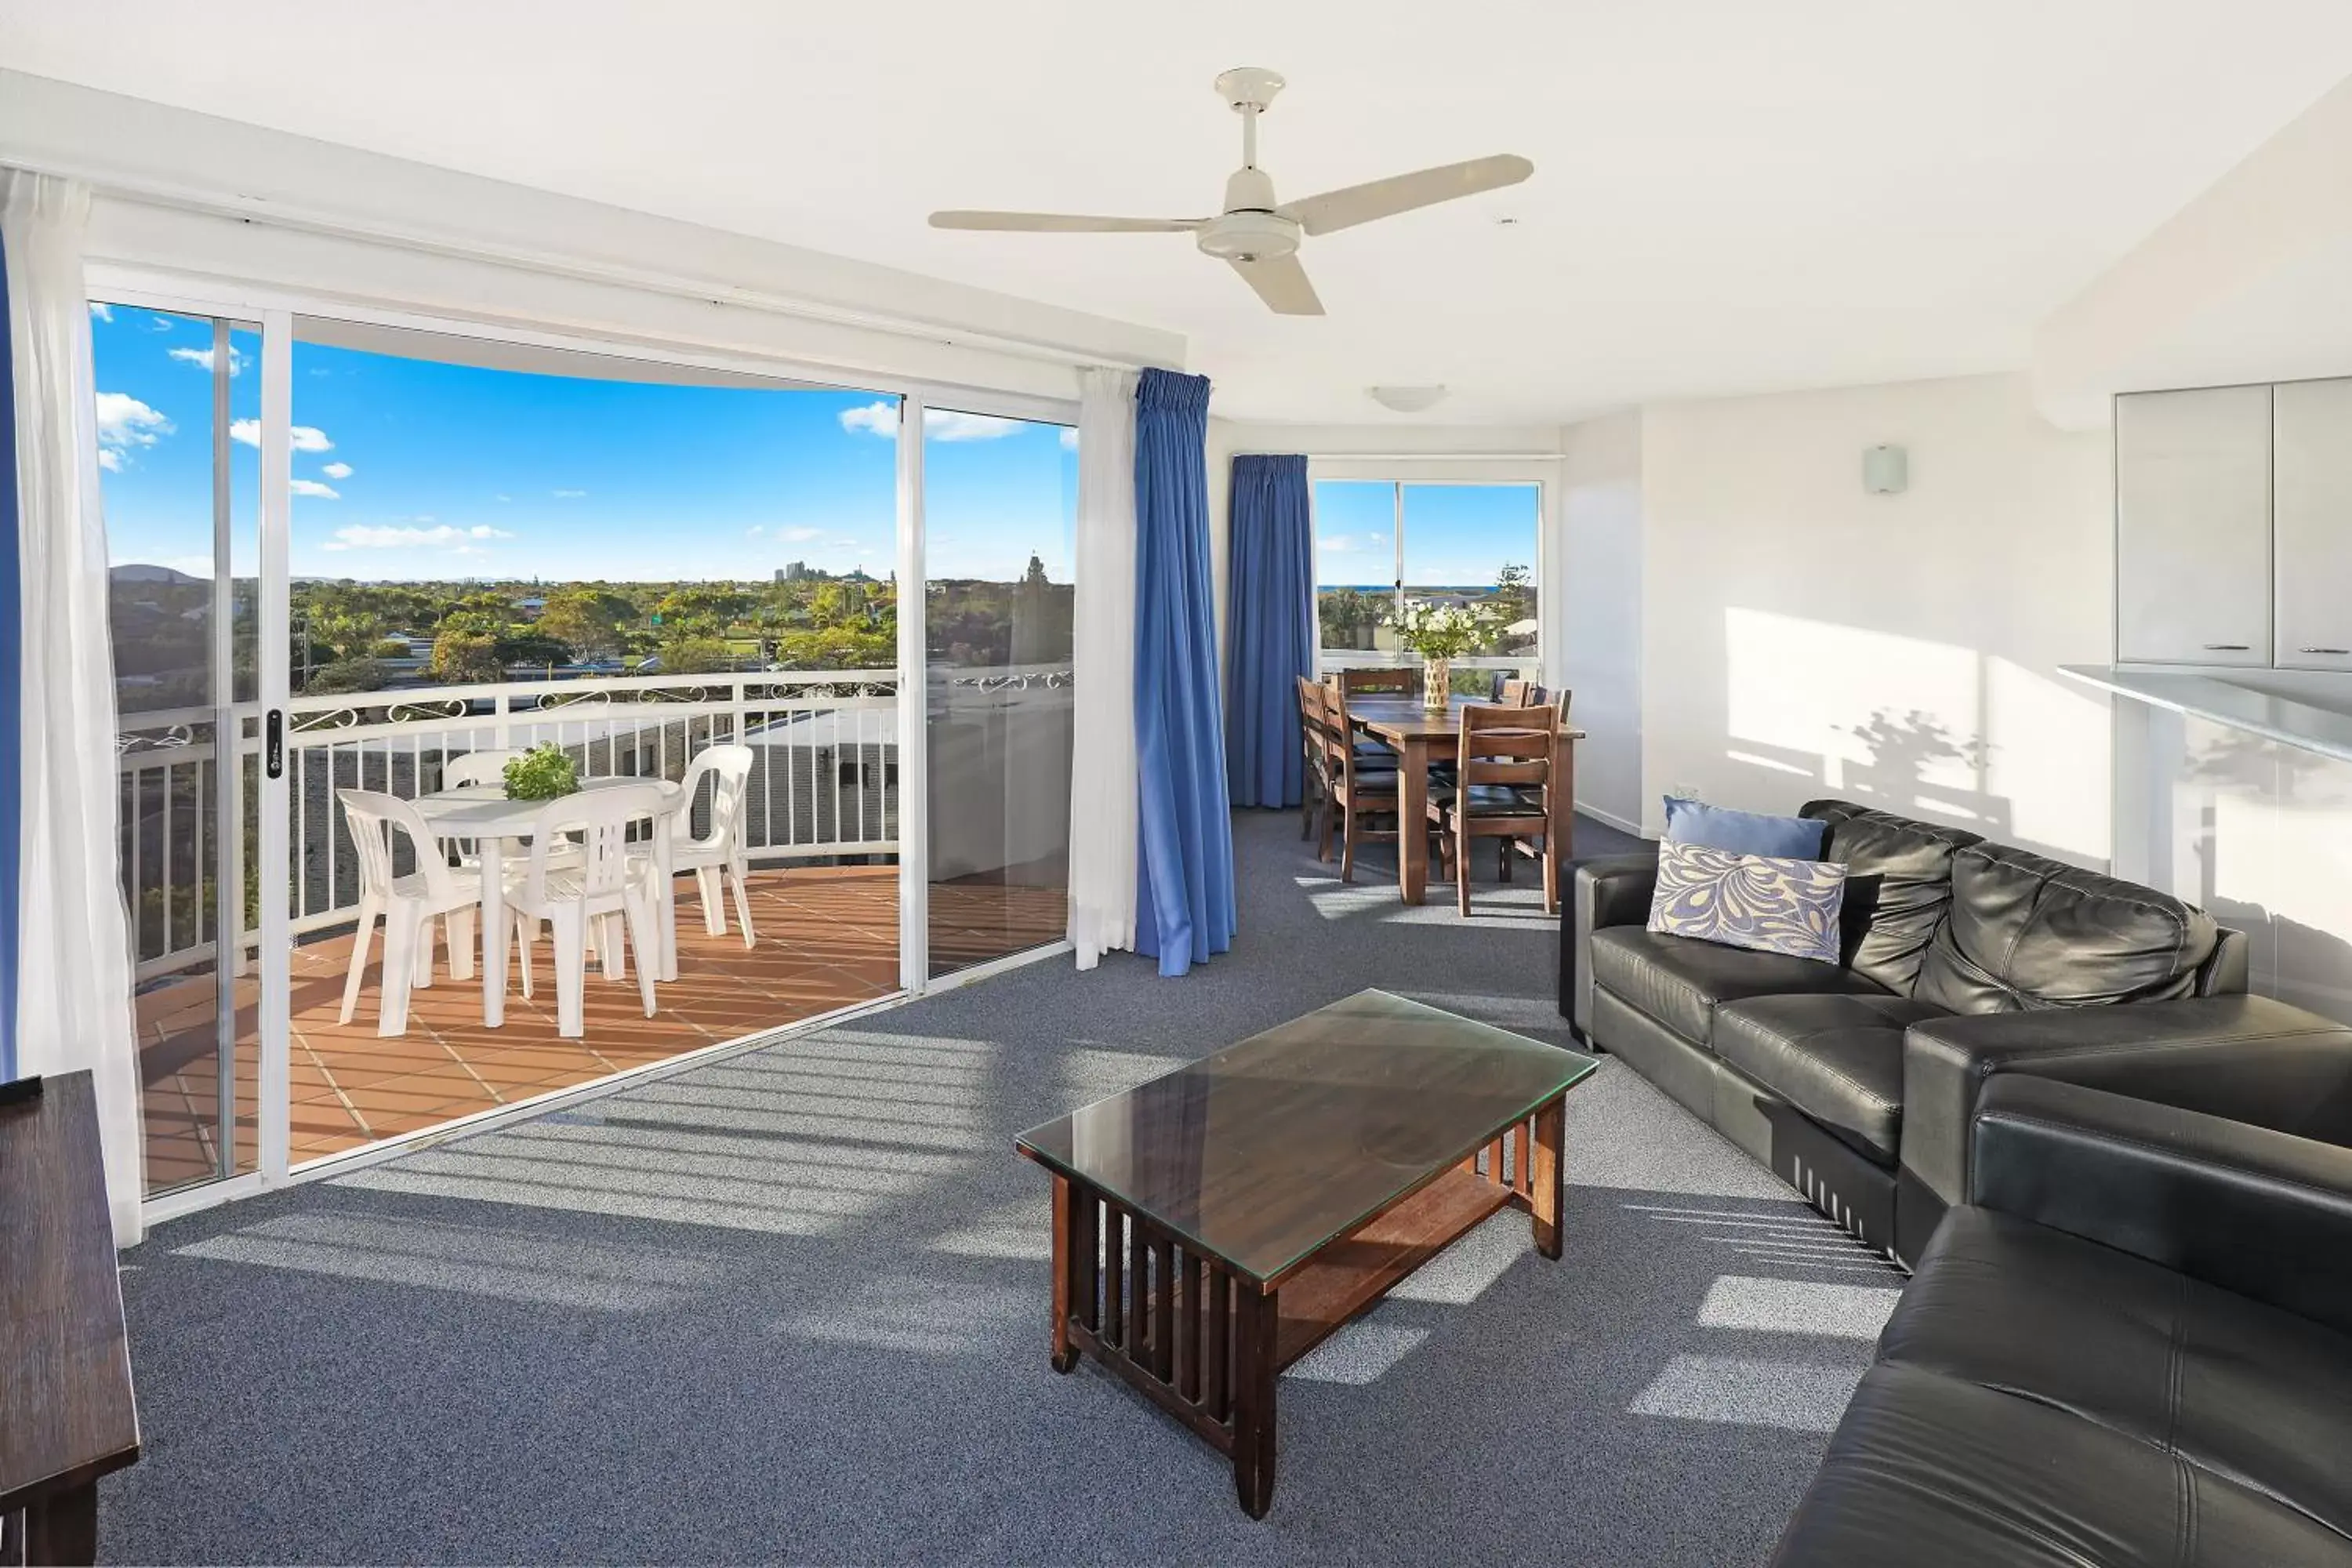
{"x": 1757, "y": 902}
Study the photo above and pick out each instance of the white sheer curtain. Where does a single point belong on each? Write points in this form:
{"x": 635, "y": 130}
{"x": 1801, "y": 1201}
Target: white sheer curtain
{"x": 73, "y": 972}
{"x": 1102, "y": 781}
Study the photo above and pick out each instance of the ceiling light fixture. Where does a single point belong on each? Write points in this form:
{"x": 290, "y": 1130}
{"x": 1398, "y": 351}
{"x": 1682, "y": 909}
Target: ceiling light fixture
{"x": 1406, "y": 399}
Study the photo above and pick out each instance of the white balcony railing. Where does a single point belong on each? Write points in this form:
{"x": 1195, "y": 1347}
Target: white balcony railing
{"x": 824, "y": 779}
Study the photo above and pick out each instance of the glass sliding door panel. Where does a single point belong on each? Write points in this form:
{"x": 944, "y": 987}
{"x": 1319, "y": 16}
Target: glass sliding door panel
{"x": 178, "y": 410}
{"x": 1000, "y": 511}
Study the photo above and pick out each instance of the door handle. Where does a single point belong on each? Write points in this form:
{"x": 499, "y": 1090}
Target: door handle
{"x": 2325, "y": 650}
{"x": 273, "y": 743}
{"x": 2232, "y": 647}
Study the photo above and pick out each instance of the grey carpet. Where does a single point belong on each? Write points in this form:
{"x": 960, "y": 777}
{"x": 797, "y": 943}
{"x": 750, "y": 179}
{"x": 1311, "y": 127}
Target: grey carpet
{"x": 792, "y": 1307}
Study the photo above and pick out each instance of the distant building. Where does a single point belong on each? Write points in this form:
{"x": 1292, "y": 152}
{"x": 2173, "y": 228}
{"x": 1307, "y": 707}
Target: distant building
{"x": 801, "y": 572}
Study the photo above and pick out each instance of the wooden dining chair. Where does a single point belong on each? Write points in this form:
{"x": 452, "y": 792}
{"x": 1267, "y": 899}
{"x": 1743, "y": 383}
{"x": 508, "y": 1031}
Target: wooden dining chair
{"x": 1519, "y": 693}
{"x": 1504, "y": 787}
{"x": 1312, "y": 791}
{"x": 1377, "y": 680}
{"x": 1359, "y": 795}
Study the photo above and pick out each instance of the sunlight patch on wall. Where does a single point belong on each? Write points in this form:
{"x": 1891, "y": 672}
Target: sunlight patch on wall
{"x": 1920, "y": 728}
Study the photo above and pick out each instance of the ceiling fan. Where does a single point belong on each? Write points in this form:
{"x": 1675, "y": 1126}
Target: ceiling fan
{"x": 1257, "y": 237}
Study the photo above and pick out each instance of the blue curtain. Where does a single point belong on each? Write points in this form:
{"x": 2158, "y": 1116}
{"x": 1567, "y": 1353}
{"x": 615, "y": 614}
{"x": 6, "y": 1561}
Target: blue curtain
{"x": 1185, "y": 891}
{"x": 1273, "y": 618}
{"x": 11, "y": 696}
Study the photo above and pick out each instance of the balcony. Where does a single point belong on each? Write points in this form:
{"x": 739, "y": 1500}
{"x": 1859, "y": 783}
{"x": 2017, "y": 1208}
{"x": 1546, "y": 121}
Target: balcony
{"x": 821, "y": 819}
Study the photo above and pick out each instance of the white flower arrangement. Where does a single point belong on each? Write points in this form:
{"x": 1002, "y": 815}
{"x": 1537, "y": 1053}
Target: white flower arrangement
{"x": 1446, "y": 631}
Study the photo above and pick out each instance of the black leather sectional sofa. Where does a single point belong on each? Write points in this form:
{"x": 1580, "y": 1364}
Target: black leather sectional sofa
{"x": 2124, "y": 1185}
{"x": 1854, "y": 1082}
{"x": 2132, "y": 1346}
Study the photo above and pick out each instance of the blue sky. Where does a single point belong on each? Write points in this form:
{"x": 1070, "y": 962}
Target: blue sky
{"x": 1455, "y": 535}
{"x": 413, "y": 469}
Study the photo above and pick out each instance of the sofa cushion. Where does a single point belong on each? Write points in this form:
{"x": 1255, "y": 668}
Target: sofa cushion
{"x": 1929, "y": 1471}
{"x": 2245, "y": 1391}
{"x": 2025, "y": 931}
{"x": 1898, "y": 885}
{"x": 1838, "y": 1058}
{"x": 1678, "y": 982}
{"x": 1742, "y": 832}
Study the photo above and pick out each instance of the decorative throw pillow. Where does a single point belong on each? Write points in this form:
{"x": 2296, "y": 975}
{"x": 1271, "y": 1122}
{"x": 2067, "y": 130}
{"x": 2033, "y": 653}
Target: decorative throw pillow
{"x": 1767, "y": 904}
{"x": 1743, "y": 832}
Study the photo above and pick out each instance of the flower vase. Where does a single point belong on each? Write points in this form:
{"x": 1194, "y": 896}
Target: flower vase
{"x": 1436, "y": 684}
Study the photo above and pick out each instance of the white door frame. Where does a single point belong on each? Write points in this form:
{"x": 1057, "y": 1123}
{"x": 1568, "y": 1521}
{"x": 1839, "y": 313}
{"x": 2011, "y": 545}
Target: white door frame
{"x": 272, "y": 1109}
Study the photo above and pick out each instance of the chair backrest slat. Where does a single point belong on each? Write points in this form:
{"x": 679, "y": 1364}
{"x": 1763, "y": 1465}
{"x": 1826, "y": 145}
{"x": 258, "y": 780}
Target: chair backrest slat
{"x": 1507, "y": 745}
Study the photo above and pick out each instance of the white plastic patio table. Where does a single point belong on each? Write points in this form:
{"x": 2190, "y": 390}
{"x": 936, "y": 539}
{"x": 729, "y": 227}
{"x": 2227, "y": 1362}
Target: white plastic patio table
{"x": 484, "y": 814}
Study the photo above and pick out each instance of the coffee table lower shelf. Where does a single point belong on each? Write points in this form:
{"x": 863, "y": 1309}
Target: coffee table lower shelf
{"x": 1205, "y": 1343}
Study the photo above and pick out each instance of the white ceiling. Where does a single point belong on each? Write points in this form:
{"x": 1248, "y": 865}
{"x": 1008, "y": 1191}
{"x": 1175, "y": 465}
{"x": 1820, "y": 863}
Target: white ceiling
{"x": 1730, "y": 195}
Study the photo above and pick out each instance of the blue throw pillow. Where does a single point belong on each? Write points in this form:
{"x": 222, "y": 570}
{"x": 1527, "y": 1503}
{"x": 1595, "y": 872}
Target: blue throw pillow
{"x": 1743, "y": 832}
{"x": 1756, "y": 901}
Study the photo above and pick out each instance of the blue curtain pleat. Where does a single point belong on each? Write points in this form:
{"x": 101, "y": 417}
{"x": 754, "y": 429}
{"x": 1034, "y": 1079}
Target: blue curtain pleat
{"x": 12, "y": 701}
{"x": 1184, "y": 893}
{"x": 1272, "y": 615}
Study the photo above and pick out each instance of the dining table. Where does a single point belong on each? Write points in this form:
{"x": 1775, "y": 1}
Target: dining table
{"x": 485, "y": 816}
{"x": 1420, "y": 736}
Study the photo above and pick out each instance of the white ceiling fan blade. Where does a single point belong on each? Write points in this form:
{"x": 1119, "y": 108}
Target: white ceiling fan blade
{"x": 1282, "y": 283}
{"x": 1353, "y": 204}
{"x": 1065, "y": 223}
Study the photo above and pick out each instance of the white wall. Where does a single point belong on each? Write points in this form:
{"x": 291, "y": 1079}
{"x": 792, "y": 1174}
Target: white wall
{"x": 1801, "y": 638}
{"x": 1595, "y": 578}
{"x": 2256, "y": 833}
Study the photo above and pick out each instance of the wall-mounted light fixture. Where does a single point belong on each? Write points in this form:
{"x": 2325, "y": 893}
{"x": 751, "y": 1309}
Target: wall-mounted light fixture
{"x": 1885, "y": 470}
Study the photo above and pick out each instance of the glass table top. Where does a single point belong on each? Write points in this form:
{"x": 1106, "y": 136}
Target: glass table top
{"x": 1267, "y": 1150}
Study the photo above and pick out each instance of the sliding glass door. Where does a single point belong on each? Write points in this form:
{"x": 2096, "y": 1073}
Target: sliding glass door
{"x": 179, "y": 403}
{"x": 1000, "y": 508}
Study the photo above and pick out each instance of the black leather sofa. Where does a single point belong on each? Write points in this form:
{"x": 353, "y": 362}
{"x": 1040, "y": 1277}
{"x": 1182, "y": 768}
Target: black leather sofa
{"x": 2132, "y": 1344}
{"x": 1962, "y": 959}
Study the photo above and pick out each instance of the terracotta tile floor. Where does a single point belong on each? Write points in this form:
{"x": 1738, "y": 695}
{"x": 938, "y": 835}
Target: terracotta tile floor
{"x": 828, "y": 938}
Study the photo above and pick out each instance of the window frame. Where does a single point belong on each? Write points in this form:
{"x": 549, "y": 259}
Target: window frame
{"x": 1403, "y": 469}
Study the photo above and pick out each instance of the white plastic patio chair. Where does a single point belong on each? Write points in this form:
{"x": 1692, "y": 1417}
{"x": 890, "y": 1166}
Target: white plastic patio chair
{"x": 609, "y": 889}
{"x": 488, "y": 766}
{"x": 720, "y": 854}
{"x": 408, "y": 905}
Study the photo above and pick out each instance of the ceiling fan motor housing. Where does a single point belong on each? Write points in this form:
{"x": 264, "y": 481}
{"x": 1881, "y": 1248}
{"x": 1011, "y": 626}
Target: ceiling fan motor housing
{"x": 1249, "y": 229}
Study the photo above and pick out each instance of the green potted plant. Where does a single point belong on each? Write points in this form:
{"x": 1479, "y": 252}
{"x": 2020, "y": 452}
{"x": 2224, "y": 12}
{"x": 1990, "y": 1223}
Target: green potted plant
{"x": 1442, "y": 634}
{"x": 546, "y": 772}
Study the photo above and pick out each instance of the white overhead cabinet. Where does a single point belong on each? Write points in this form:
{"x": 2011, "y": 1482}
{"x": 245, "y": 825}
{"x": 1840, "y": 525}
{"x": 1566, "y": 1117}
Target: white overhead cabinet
{"x": 2313, "y": 520}
{"x": 2193, "y": 579}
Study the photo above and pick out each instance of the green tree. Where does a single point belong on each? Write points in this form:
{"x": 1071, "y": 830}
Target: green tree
{"x": 592, "y": 623}
{"x": 465, "y": 655}
{"x": 695, "y": 656}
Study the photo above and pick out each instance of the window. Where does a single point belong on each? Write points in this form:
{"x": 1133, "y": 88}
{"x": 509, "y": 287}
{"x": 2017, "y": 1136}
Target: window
{"x": 1381, "y": 545}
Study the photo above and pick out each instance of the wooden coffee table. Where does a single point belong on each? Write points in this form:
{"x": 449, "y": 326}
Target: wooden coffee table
{"x": 1214, "y": 1224}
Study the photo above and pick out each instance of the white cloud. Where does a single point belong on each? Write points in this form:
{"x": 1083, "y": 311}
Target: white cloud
{"x": 445, "y": 537}
{"x": 800, "y": 535}
{"x": 316, "y": 491}
{"x": 101, "y": 311}
{"x": 570, "y": 495}
{"x": 754, "y": 531}
{"x": 881, "y": 419}
{"x": 305, "y": 437}
{"x": 203, "y": 360}
{"x": 875, "y": 419}
{"x": 123, "y": 423}
{"x": 1069, "y": 437}
{"x": 506, "y": 498}
{"x": 337, "y": 470}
